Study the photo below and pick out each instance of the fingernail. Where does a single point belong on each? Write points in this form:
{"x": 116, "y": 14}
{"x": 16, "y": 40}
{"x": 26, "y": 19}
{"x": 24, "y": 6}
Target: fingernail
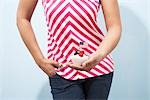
{"x": 60, "y": 64}
{"x": 83, "y": 64}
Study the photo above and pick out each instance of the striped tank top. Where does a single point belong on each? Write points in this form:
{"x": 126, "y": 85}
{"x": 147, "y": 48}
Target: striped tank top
{"x": 70, "y": 22}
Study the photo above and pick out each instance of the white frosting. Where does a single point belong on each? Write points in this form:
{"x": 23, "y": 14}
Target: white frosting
{"x": 78, "y": 60}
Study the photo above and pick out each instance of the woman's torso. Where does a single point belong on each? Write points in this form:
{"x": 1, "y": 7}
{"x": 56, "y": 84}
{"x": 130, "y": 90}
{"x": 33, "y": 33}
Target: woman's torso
{"x": 70, "y": 22}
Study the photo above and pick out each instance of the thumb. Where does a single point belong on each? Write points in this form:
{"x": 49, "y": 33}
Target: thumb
{"x": 56, "y": 64}
{"x": 87, "y": 62}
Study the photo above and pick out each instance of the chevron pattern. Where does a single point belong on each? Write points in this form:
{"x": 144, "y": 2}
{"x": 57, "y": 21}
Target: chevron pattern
{"x": 70, "y": 22}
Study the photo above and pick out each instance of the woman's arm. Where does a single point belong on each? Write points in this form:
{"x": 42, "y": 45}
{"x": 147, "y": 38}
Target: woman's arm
{"x": 24, "y": 14}
{"x": 113, "y": 24}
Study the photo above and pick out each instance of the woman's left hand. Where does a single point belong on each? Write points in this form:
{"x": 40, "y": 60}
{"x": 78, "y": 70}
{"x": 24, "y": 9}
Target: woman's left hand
{"x": 88, "y": 64}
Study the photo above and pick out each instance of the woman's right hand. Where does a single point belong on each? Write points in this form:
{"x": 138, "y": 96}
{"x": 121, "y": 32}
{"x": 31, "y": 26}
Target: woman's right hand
{"x": 48, "y": 66}
{"x": 24, "y": 13}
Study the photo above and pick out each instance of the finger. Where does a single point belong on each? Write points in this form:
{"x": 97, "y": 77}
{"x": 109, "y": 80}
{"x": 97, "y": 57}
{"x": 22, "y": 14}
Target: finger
{"x": 68, "y": 63}
{"x": 52, "y": 74}
{"x": 72, "y": 65}
{"x": 87, "y": 70}
{"x": 56, "y": 64}
{"x": 49, "y": 70}
{"x": 80, "y": 68}
{"x": 87, "y": 62}
{"x": 75, "y": 66}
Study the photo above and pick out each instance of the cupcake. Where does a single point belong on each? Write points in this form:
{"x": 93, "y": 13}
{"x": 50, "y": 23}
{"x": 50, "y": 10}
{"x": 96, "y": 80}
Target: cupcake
{"x": 79, "y": 56}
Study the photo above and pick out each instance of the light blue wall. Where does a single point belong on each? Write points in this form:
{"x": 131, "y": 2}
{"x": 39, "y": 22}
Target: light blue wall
{"x": 21, "y": 79}
{"x": 131, "y": 77}
{"x": 148, "y": 24}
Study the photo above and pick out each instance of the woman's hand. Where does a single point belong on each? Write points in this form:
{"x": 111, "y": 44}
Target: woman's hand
{"x": 48, "y": 66}
{"x": 88, "y": 64}
{"x": 24, "y": 13}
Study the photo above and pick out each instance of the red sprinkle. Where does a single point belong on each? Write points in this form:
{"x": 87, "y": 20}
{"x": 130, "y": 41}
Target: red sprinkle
{"x": 81, "y": 53}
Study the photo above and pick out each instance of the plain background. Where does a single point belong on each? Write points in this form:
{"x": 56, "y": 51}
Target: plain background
{"x": 21, "y": 79}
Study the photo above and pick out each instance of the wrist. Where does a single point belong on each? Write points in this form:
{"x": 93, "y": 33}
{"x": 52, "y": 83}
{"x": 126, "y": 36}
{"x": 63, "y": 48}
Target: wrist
{"x": 100, "y": 55}
{"x": 39, "y": 60}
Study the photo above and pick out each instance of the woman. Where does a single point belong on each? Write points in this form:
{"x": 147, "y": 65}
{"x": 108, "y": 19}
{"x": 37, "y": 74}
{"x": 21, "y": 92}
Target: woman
{"x": 71, "y": 23}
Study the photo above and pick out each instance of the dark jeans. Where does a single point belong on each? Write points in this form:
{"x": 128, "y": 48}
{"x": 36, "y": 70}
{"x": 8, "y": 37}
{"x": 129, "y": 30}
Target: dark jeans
{"x": 96, "y": 88}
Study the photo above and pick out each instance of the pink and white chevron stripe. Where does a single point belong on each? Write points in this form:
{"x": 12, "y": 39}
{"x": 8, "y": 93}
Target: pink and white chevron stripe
{"x": 70, "y": 22}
